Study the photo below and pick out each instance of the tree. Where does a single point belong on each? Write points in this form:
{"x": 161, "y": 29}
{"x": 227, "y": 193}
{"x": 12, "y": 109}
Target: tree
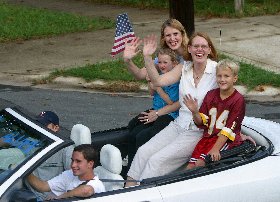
{"x": 238, "y": 6}
{"x": 183, "y": 10}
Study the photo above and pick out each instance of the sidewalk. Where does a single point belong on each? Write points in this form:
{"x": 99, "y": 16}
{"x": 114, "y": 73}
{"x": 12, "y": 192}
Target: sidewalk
{"x": 255, "y": 40}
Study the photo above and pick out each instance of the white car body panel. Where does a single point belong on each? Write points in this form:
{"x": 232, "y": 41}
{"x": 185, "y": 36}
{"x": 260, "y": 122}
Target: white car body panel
{"x": 41, "y": 130}
{"x": 269, "y": 129}
{"x": 230, "y": 185}
{"x": 143, "y": 195}
{"x": 19, "y": 173}
{"x": 255, "y": 180}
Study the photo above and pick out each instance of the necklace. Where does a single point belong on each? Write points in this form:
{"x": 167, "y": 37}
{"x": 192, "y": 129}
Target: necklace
{"x": 197, "y": 77}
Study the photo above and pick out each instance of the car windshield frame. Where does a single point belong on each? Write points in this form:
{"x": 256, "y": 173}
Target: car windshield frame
{"x": 30, "y": 142}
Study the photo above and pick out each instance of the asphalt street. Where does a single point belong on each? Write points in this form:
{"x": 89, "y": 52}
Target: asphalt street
{"x": 101, "y": 111}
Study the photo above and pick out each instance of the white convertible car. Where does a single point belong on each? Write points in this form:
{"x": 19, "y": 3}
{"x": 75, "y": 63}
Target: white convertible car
{"x": 246, "y": 173}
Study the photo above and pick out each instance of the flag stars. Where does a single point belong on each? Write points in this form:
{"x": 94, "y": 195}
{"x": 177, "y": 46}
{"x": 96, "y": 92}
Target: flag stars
{"x": 123, "y": 31}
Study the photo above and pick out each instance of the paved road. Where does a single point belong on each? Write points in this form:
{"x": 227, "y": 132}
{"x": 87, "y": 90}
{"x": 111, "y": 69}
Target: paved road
{"x": 99, "y": 111}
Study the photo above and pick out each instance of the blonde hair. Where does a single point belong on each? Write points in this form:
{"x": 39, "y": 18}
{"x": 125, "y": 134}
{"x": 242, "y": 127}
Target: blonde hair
{"x": 176, "y": 25}
{"x": 226, "y": 63}
{"x": 171, "y": 53}
{"x": 213, "y": 54}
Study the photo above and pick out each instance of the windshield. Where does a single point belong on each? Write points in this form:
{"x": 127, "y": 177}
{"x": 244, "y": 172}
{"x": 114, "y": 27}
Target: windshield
{"x": 18, "y": 141}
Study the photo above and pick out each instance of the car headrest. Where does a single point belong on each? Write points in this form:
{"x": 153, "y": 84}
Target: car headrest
{"x": 80, "y": 134}
{"x": 111, "y": 159}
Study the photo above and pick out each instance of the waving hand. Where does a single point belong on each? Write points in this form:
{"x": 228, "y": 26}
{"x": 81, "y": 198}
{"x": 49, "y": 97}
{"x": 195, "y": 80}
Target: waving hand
{"x": 150, "y": 45}
{"x": 131, "y": 48}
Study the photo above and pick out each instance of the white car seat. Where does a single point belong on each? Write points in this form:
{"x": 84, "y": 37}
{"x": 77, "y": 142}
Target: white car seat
{"x": 111, "y": 167}
{"x": 80, "y": 134}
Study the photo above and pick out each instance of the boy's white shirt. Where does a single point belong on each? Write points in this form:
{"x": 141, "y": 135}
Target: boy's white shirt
{"x": 66, "y": 181}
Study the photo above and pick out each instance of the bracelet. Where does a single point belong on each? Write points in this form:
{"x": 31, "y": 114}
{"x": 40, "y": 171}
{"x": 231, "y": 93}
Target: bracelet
{"x": 157, "y": 113}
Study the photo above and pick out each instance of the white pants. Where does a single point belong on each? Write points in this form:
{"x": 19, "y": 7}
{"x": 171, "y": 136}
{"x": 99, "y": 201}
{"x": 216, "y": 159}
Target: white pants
{"x": 165, "y": 152}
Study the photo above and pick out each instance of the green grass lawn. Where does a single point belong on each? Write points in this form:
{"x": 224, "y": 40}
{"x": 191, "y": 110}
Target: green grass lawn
{"x": 110, "y": 71}
{"x": 250, "y": 75}
{"x": 208, "y": 8}
{"x": 22, "y": 23}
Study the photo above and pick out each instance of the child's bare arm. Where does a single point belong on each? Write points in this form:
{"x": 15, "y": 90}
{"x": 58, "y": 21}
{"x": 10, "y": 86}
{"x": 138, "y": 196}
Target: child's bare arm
{"x": 215, "y": 151}
{"x": 150, "y": 45}
{"x": 151, "y": 88}
{"x": 169, "y": 108}
{"x": 164, "y": 95}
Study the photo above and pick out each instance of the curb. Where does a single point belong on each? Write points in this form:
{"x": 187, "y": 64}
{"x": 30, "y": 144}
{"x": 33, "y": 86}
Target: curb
{"x": 260, "y": 94}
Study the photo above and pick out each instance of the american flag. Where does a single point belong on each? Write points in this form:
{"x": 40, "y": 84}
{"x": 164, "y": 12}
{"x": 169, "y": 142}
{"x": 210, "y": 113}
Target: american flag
{"x": 123, "y": 31}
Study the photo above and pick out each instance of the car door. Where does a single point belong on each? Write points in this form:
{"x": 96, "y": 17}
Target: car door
{"x": 134, "y": 194}
{"x": 24, "y": 144}
{"x": 256, "y": 181}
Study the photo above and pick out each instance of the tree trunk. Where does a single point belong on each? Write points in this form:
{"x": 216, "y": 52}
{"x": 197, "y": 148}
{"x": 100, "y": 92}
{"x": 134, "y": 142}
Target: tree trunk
{"x": 183, "y": 10}
{"x": 238, "y": 6}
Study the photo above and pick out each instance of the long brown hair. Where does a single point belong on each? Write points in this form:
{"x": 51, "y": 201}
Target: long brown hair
{"x": 176, "y": 25}
{"x": 213, "y": 54}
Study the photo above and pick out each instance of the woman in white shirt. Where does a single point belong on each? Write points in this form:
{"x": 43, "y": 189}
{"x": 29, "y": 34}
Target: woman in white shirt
{"x": 173, "y": 146}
